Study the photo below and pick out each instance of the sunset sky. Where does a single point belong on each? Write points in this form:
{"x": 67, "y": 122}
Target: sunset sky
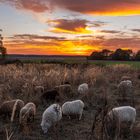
{"x": 69, "y": 27}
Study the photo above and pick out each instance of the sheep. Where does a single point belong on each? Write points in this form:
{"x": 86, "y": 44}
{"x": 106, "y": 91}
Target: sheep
{"x": 83, "y": 89}
{"x": 50, "y": 95}
{"x": 38, "y": 89}
{"x": 125, "y": 89}
{"x": 27, "y": 113}
{"x": 11, "y": 108}
{"x": 124, "y": 78}
{"x": 51, "y": 115}
{"x": 73, "y": 108}
{"x": 64, "y": 90}
{"x": 116, "y": 118}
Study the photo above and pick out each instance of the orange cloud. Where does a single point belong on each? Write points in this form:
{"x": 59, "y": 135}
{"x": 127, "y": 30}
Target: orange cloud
{"x": 52, "y": 45}
{"x": 101, "y": 7}
{"x": 94, "y": 7}
{"x": 75, "y": 26}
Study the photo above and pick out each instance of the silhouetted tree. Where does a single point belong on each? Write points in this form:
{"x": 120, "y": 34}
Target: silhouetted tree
{"x": 106, "y": 52}
{"x": 101, "y": 55}
{"x": 96, "y": 56}
{"x": 120, "y": 54}
{"x": 137, "y": 57}
{"x": 3, "y": 50}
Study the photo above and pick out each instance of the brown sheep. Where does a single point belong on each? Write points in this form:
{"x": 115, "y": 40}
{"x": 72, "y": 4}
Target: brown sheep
{"x": 27, "y": 113}
{"x": 11, "y": 108}
{"x": 64, "y": 90}
{"x": 49, "y": 95}
{"x": 38, "y": 90}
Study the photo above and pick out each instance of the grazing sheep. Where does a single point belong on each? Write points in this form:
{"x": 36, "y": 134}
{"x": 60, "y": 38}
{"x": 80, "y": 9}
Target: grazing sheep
{"x": 50, "y": 95}
{"x": 125, "y": 89}
{"x": 73, "y": 108}
{"x": 83, "y": 89}
{"x": 27, "y": 113}
{"x": 39, "y": 89}
{"x": 51, "y": 115}
{"x": 64, "y": 90}
{"x": 138, "y": 76}
{"x": 115, "y": 120}
{"x": 65, "y": 82}
{"x": 124, "y": 78}
{"x": 11, "y": 108}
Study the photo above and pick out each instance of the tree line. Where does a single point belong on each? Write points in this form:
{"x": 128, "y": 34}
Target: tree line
{"x": 3, "y": 50}
{"x": 118, "y": 54}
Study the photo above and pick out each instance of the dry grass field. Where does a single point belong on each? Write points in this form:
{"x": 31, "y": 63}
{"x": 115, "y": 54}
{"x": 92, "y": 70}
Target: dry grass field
{"x": 19, "y": 83}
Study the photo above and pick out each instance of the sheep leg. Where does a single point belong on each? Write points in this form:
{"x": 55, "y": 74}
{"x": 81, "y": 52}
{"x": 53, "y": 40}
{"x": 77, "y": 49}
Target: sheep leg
{"x": 80, "y": 116}
{"x": 33, "y": 118}
{"x": 131, "y": 126}
{"x": 69, "y": 117}
{"x": 131, "y": 129}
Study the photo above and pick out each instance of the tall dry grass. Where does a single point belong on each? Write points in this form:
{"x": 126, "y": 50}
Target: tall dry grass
{"x": 20, "y": 82}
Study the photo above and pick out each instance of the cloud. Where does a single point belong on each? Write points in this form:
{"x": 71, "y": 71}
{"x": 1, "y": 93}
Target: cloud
{"x": 94, "y": 7}
{"x": 136, "y": 30}
{"x": 37, "y": 6}
{"x": 100, "y": 7}
{"x": 33, "y": 40}
{"x": 74, "y": 26}
{"x": 110, "y": 31}
{"x": 130, "y": 42}
{"x": 97, "y": 24}
{"x": 36, "y": 37}
{"x": 36, "y": 44}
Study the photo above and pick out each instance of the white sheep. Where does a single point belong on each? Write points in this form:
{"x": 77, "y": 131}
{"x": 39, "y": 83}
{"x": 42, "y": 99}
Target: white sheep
{"x": 116, "y": 118}
{"x": 124, "y": 78}
{"x": 126, "y": 82}
{"x": 27, "y": 113}
{"x": 51, "y": 115}
{"x": 83, "y": 88}
{"x": 73, "y": 108}
{"x": 125, "y": 88}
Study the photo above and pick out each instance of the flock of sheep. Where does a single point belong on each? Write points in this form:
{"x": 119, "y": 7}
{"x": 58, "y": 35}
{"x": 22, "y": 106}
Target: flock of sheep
{"x": 53, "y": 114}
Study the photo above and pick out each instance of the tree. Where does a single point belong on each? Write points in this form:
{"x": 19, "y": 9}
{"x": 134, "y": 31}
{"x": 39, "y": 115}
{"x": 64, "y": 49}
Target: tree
{"x": 120, "y": 54}
{"x": 101, "y": 55}
{"x": 3, "y": 50}
{"x": 137, "y": 57}
{"x": 106, "y": 52}
{"x": 96, "y": 56}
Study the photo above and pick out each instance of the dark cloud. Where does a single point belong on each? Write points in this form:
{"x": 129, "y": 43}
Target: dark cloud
{"x": 104, "y": 7}
{"x": 113, "y": 43}
{"x": 69, "y": 25}
{"x": 36, "y": 37}
{"x": 32, "y": 5}
{"x": 110, "y": 31}
{"x": 136, "y": 30}
{"x": 97, "y": 24}
{"x": 21, "y": 39}
{"x": 100, "y": 7}
{"x": 74, "y": 25}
